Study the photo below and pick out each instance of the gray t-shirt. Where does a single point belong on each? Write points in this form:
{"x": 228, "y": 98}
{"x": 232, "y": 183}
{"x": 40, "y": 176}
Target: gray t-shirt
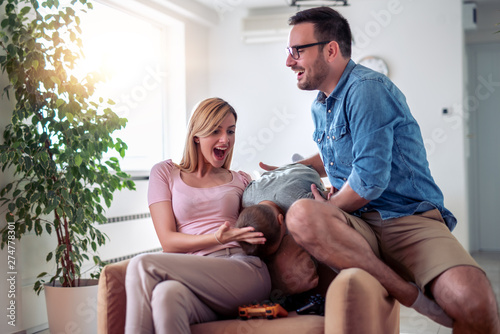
{"x": 283, "y": 186}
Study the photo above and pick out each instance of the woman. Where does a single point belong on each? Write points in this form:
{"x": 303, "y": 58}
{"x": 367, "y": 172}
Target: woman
{"x": 203, "y": 273}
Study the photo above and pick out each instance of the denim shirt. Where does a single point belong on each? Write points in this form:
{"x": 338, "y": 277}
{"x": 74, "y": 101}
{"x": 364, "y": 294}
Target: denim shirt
{"x": 368, "y": 137}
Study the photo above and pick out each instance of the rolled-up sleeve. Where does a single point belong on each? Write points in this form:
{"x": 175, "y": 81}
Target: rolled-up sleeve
{"x": 372, "y": 120}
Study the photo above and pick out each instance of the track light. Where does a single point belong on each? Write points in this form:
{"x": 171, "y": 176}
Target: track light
{"x": 313, "y": 3}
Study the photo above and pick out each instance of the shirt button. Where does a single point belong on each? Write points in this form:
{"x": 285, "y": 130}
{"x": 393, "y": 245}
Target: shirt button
{"x": 327, "y": 137}
{"x": 331, "y": 163}
{"x": 344, "y": 179}
{"x": 329, "y": 110}
{"x": 333, "y": 137}
{"x": 319, "y": 140}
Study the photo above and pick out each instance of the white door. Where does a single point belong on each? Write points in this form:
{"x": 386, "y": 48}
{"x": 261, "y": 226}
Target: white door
{"x": 483, "y": 101}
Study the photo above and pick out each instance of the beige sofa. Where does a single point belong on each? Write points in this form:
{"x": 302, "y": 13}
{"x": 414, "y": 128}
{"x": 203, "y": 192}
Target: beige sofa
{"x": 355, "y": 303}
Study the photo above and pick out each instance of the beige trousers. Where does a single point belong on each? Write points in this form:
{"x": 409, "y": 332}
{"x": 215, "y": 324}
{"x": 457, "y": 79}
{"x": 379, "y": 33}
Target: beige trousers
{"x": 167, "y": 292}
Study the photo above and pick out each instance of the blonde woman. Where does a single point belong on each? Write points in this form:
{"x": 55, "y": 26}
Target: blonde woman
{"x": 202, "y": 273}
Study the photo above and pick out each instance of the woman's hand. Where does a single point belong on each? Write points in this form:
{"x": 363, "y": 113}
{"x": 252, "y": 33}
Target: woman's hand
{"x": 226, "y": 234}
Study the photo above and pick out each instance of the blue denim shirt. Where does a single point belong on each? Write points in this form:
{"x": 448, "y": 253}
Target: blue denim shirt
{"x": 367, "y": 136}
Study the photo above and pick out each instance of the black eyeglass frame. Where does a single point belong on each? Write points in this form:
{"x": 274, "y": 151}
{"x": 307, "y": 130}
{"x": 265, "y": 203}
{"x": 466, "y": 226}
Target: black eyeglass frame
{"x": 299, "y": 47}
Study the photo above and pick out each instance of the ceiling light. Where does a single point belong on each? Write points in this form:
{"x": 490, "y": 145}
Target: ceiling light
{"x": 313, "y": 3}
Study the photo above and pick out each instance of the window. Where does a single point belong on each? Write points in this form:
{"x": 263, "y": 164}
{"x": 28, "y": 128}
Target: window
{"x": 134, "y": 47}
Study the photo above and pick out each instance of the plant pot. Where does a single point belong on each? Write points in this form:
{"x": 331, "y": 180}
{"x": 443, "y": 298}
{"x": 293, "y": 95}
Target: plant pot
{"x": 72, "y": 310}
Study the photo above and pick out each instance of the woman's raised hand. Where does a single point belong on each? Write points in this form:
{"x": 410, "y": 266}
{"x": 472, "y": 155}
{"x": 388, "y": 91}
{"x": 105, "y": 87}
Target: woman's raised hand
{"x": 226, "y": 234}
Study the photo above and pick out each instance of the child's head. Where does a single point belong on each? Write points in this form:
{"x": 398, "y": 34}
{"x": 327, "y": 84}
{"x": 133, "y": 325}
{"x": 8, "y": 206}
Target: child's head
{"x": 265, "y": 217}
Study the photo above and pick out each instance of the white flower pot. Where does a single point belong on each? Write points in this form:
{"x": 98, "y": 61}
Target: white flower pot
{"x": 72, "y": 310}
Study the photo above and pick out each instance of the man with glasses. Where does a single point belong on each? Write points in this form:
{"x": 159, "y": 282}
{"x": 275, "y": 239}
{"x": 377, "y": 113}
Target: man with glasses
{"x": 372, "y": 151}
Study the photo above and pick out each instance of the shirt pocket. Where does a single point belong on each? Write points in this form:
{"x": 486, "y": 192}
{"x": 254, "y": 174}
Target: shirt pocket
{"x": 340, "y": 141}
{"x": 318, "y": 136}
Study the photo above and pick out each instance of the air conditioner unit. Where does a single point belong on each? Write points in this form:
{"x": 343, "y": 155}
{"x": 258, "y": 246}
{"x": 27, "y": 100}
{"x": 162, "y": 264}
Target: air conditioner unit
{"x": 469, "y": 16}
{"x": 265, "y": 28}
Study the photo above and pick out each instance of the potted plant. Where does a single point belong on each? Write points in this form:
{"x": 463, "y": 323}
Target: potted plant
{"x": 57, "y": 140}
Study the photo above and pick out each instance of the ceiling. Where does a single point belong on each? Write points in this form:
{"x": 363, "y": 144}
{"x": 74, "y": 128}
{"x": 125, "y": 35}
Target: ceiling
{"x": 279, "y": 3}
{"x": 244, "y": 3}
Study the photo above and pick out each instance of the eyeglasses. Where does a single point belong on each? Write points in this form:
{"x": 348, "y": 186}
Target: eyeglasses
{"x": 294, "y": 51}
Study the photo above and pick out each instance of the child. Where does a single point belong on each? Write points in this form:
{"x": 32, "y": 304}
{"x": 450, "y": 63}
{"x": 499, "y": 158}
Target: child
{"x": 267, "y": 199}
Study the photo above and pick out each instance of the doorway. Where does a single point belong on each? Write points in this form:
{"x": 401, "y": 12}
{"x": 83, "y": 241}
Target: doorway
{"x": 483, "y": 104}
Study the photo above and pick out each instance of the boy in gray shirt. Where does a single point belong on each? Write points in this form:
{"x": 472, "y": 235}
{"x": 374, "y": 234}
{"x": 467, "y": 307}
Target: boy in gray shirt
{"x": 267, "y": 199}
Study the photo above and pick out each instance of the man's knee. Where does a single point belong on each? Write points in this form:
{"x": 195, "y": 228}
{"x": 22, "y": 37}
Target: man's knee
{"x": 467, "y": 295}
{"x": 302, "y": 218}
{"x": 306, "y": 217}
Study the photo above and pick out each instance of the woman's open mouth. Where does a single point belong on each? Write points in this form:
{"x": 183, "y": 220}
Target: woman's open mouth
{"x": 220, "y": 152}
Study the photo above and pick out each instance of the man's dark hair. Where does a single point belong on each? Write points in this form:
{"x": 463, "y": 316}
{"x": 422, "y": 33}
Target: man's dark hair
{"x": 263, "y": 219}
{"x": 329, "y": 25}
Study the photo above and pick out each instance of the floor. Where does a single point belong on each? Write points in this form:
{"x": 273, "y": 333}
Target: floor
{"x": 414, "y": 323}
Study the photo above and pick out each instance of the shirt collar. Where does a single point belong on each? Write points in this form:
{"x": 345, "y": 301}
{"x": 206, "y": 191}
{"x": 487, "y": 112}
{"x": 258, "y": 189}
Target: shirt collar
{"x": 338, "y": 92}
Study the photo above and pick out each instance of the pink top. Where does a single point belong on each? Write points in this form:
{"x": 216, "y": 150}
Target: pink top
{"x": 197, "y": 210}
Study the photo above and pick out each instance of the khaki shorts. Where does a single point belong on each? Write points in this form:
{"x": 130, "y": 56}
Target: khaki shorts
{"x": 418, "y": 247}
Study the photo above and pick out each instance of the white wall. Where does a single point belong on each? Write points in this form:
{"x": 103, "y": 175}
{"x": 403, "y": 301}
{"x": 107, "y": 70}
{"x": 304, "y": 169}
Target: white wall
{"x": 422, "y": 42}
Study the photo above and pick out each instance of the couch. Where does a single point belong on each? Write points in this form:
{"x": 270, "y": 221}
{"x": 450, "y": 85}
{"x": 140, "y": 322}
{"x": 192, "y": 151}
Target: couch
{"x": 355, "y": 303}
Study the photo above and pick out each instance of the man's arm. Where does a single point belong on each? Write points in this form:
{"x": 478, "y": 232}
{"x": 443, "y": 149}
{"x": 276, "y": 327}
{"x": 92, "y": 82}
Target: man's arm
{"x": 314, "y": 161}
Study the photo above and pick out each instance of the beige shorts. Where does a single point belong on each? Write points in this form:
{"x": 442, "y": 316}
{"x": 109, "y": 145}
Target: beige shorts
{"x": 418, "y": 247}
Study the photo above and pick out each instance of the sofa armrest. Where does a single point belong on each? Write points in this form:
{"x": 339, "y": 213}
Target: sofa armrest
{"x": 357, "y": 303}
{"x": 112, "y": 299}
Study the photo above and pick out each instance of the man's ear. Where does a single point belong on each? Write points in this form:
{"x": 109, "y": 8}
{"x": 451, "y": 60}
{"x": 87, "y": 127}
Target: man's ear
{"x": 333, "y": 51}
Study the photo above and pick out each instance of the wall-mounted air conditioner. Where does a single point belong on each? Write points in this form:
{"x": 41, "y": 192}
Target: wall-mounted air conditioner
{"x": 265, "y": 28}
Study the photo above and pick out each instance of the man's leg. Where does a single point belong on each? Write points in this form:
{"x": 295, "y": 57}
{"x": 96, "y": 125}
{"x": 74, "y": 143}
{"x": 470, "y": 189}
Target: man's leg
{"x": 465, "y": 293}
{"x": 422, "y": 248}
{"x": 323, "y": 231}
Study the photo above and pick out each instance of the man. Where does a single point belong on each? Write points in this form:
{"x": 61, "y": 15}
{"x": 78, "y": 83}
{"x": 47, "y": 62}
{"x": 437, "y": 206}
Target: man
{"x": 372, "y": 151}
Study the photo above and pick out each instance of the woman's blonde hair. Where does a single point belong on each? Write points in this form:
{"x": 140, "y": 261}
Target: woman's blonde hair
{"x": 206, "y": 118}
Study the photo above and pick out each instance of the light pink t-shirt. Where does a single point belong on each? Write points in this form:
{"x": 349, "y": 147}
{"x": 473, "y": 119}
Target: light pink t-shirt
{"x": 197, "y": 210}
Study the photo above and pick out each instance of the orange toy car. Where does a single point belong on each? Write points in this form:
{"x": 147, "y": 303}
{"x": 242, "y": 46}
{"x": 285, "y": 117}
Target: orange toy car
{"x": 265, "y": 310}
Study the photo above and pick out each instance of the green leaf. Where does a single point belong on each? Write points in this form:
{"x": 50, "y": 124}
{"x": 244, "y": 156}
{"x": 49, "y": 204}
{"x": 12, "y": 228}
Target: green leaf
{"x": 25, "y": 10}
{"x": 78, "y": 160}
{"x": 42, "y": 274}
{"x": 55, "y": 80}
{"x": 38, "y": 228}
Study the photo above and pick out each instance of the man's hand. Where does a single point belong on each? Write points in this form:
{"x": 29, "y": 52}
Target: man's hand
{"x": 320, "y": 196}
{"x": 333, "y": 190}
{"x": 266, "y": 167}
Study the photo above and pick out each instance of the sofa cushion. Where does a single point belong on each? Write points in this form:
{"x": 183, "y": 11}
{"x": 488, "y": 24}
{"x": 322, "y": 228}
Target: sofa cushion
{"x": 292, "y": 269}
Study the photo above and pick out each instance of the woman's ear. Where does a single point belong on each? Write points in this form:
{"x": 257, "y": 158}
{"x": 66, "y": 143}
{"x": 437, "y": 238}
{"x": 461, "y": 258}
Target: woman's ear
{"x": 196, "y": 140}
